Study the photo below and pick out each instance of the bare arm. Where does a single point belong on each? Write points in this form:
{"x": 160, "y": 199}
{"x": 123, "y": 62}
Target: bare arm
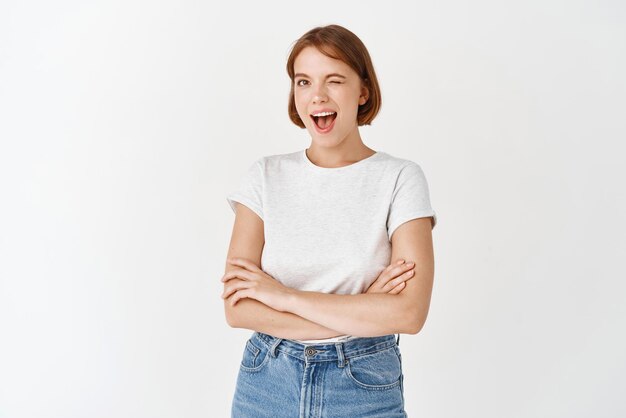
{"x": 362, "y": 315}
{"x": 313, "y": 314}
{"x": 367, "y": 315}
{"x": 260, "y": 317}
{"x": 254, "y": 315}
{"x": 247, "y": 241}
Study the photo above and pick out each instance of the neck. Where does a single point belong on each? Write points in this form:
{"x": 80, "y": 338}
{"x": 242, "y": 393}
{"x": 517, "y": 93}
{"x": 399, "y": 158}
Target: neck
{"x": 349, "y": 151}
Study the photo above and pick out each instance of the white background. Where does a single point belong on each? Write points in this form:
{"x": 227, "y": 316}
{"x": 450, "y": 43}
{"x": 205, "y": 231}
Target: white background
{"x": 124, "y": 125}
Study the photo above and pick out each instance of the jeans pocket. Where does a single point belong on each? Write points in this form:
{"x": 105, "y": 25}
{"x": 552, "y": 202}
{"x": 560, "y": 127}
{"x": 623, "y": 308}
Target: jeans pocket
{"x": 380, "y": 370}
{"x": 399, "y": 354}
{"x": 255, "y": 356}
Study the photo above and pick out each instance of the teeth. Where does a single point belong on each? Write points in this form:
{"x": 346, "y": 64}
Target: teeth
{"x": 323, "y": 114}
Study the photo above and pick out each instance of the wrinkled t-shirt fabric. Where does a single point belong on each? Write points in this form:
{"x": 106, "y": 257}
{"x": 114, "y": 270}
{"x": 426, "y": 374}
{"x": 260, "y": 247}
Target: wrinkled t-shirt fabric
{"x": 329, "y": 229}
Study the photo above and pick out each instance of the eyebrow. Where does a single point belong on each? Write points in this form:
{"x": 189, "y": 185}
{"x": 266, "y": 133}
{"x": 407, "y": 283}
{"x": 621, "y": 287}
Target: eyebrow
{"x": 327, "y": 76}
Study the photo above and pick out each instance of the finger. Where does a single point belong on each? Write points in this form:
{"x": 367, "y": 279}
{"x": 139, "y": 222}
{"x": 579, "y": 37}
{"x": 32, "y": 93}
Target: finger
{"x": 237, "y": 273}
{"x": 235, "y": 286}
{"x": 398, "y": 270}
{"x": 237, "y": 296}
{"x": 381, "y": 281}
{"x": 396, "y": 264}
{"x": 395, "y": 271}
{"x": 228, "y": 274}
{"x": 243, "y": 262}
{"x": 384, "y": 276}
{"x": 397, "y": 289}
{"x": 400, "y": 279}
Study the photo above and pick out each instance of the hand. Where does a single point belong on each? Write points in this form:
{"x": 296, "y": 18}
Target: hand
{"x": 392, "y": 279}
{"x": 255, "y": 284}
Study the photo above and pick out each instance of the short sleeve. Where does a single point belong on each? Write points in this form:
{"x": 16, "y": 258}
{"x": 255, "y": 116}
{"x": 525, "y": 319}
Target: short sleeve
{"x": 410, "y": 199}
{"x": 250, "y": 190}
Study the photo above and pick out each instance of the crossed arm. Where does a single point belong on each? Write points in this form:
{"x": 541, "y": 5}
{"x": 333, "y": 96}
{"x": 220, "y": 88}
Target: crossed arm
{"x": 315, "y": 315}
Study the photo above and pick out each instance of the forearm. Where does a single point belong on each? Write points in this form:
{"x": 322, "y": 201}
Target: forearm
{"x": 361, "y": 315}
{"x": 256, "y": 316}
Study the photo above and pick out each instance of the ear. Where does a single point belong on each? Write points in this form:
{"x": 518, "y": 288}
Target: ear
{"x": 365, "y": 94}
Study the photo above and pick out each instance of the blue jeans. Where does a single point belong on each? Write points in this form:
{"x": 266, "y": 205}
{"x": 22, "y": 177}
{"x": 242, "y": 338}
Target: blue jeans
{"x": 284, "y": 378}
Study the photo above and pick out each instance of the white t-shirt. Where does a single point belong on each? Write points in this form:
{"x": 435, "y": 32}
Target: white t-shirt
{"x": 329, "y": 229}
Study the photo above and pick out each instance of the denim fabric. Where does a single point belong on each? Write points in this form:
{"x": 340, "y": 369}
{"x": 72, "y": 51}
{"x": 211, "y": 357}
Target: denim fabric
{"x": 281, "y": 378}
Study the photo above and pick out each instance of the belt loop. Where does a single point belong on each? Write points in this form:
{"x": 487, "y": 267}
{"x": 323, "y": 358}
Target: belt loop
{"x": 340, "y": 358}
{"x": 398, "y": 340}
{"x": 275, "y": 346}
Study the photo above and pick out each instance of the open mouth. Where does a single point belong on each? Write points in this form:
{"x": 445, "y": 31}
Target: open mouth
{"x": 324, "y": 122}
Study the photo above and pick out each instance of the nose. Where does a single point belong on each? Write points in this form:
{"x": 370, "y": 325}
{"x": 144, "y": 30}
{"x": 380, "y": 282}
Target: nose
{"x": 319, "y": 95}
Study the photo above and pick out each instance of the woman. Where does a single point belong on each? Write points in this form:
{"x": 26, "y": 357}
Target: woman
{"x": 324, "y": 224}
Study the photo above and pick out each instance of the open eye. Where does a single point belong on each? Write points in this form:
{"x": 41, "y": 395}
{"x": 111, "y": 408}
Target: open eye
{"x": 299, "y": 81}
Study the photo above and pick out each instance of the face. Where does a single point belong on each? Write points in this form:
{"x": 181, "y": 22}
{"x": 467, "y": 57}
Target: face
{"x": 322, "y": 83}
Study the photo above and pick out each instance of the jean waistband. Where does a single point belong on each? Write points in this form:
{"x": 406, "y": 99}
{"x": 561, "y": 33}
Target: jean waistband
{"x": 333, "y": 351}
